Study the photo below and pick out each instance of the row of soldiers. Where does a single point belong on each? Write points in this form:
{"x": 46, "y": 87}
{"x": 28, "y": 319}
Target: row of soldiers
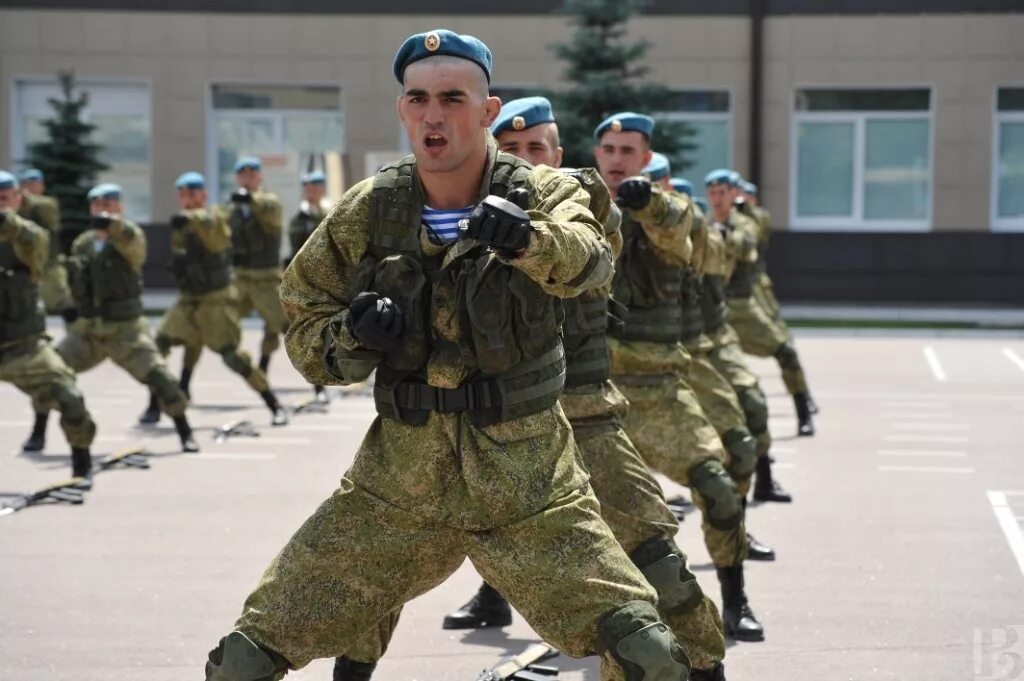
{"x": 541, "y": 339}
{"x": 226, "y": 264}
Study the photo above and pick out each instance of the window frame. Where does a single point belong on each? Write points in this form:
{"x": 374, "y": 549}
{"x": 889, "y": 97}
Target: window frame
{"x": 727, "y": 116}
{"x": 857, "y": 222}
{"x": 1000, "y": 224}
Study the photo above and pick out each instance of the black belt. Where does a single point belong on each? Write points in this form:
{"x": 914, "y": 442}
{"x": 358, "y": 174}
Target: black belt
{"x": 476, "y": 396}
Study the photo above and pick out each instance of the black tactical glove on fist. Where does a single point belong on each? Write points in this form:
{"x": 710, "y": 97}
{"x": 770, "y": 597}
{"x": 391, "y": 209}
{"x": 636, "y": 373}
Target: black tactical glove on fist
{"x": 179, "y": 220}
{"x": 634, "y": 193}
{"x": 241, "y": 196}
{"x": 376, "y": 322}
{"x": 500, "y": 224}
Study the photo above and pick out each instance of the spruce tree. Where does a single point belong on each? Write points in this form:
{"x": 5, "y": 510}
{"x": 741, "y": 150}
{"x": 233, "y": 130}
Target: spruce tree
{"x": 607, "y": 75}
{"x": 68, "y": 158}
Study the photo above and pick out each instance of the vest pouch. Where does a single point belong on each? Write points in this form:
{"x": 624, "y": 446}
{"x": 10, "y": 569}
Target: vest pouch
{"x": 401, "y": 278}
{"x": 485, "y": 283}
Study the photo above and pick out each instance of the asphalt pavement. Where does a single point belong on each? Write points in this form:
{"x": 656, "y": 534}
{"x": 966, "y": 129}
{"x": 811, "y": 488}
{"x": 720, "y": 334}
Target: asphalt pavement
{"x": 902, "y": 557}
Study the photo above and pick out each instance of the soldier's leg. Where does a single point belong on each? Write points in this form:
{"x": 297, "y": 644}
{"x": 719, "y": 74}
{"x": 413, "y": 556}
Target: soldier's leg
{"x": 54, "y": 290}
{"x": 361, "y": 659}
{"x": 764, "y": 291}
{"x": 266, "y": 298}
{"x": 598, "y": 589}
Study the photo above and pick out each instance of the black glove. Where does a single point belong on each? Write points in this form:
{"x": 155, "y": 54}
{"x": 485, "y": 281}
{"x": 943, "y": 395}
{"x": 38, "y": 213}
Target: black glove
{"x": 70, "y": 314}
{"x": 500, "y": 224}
{"x": 241, "y": 196}
{"x": 179, "y": 220}
{"x": 376, "y": 322}
{"x": 521, "y": 197}
{"x": 634, "y": 193}
{"x": 101, "y": 221}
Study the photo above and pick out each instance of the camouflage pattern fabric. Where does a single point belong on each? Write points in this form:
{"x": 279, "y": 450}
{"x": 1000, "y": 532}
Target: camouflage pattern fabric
{"x": 259, "y": 290}
{"x": 727, "y": 357}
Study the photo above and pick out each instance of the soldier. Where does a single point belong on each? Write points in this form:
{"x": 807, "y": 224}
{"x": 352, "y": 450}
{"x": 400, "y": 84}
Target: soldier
{"x": 470, "y": 454}
{"x": 45, "y": 211}
{"x": 27, "y": 359}
{"x": 631, "y": 500}
{"x": 105, "y": 267}
{"x": 312, "y": 211}
{"x": 206, "y": 313}
{"x": 759, "y": 335}
{"x": 649, "y": 364}
{"x": 254, "y": 216}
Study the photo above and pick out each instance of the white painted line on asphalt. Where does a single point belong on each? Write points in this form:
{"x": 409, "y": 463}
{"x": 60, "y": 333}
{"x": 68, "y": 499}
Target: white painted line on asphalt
{"x": 1014, "y": 357}
{"x": 923, "y": 469}
{"x": 319, "y": 426}
{"x": 910, "y": 404}
{"x": 1014, "y": 535}
{"x": 933, "y": 363}
{"x": 931, "y": 426}
{"x": 941, "y": 453}
{"x": 924, "y": 438}
{"x": 241, "y": 456}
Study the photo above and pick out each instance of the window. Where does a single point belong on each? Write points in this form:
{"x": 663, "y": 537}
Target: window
{"x": 289, "y": 126}
{"x": 708, "y": 115}
{"x": 121, "y": 113}
{"x": 1008, "y": 175}
{"x": 862, "y": 159}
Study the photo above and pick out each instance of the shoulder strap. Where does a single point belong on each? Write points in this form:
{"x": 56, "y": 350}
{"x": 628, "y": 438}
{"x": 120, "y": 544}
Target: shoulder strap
{"x": 395, "y": 211}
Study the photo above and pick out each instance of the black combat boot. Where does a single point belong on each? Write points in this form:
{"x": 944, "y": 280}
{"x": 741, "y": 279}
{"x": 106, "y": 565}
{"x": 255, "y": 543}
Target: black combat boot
{"x": 280, "y": 417}
{"x": 37, "y": 440}
{"x": 264, "y": 363}
{"x": 350, "y": 670}
{"x": 758, "y": 551}
{"x": 321, "y": 395}
{"x": 812, "y": 405}
{"x": 765, "y": 486}
{"x": 81, "y": 466}
{"x": 487, "y": 608}
{"x": 804, "y": 424}
{"x": 152, "y": 413}
{"x": 186, "y": 381}
{"x": 737, "y": 617}
{"x": 188, "y": 441}
{"x": 717, "y": 673}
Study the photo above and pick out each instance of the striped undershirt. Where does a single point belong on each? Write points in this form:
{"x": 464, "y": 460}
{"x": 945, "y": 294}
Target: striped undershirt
{"x": 444, "y": 224}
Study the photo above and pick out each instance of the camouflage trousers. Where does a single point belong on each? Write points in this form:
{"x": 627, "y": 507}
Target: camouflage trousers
{"x": 633, "y": 506}
{"x": 419, "y": 500}
{"x": 128, "y": 345}
{"x": 35, "y": 368}
{"x": 727, "y": 357}
{"x": 53, "y": 289}
{"x": 259, "y": 290}
{"x": 673, "y": 435}
{"x": 764, "y": 293}
{"x": 210, "y": 320}
{"x": 762, "y": 336}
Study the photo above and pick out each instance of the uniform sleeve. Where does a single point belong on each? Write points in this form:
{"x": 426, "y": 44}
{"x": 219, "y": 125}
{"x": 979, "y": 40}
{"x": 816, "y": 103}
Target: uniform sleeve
{"x": 211, "y": 226}
{"x": 130, "y": 241}
{"x": 316, "y": 290}
{"x": 30, "y": 241}
{"x": 269, "y": 214}
{"x": 699, "y": 260}
{"x": 567, "y": 253}
{"x": 666, "y": 222}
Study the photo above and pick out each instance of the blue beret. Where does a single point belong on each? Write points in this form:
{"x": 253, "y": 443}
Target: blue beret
{"x": 315, "y": 177}
{"x": 248, "y": 163}
{"x": 520, "y": 114}
{"x": 107, "y": 190}
{"x": 190, "y": 180}
{"x": 8, "y": 180}
{"x": 749, "y": 188}
{"x": 441, "y": 42}
{"x": 720, "y": 176}
{"x": 627, "y": 121}
{"x": 737, "y": 179}
{"x": 682, "y": 186}
{"x": 32, "y": 175}
{"x": 700, "y": 201}
{"x": 658, "y": 168}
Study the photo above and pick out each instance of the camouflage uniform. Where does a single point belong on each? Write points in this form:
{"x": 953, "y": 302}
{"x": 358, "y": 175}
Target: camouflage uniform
{"x": 256, "y": 247}
{"x": 45, "y": 212}
{"x": 430, "y": 484}
{"x": 27, "y": 359}
{"x": 302, "y": 224}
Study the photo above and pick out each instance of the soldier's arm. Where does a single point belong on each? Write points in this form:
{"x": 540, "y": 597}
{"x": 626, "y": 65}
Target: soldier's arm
{"x": 49, "y": 215}
{"x": 317, "y": 289}
{"x": 568, "y": 253}
{"x": 129, "y": 240}
{"x": 267, "y": 209}
{"x": 31, "y": 242}
{"x": 210, "y": 225}
{"x": 666, "y": 222}
{"x": 699, "y": 239}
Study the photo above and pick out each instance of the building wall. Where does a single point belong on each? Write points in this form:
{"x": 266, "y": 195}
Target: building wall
{"x": 962, "y": 56}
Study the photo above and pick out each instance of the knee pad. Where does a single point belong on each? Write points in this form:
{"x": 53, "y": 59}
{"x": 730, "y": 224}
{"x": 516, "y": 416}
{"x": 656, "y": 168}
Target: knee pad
{"x": 236, "y": 658}
{"x": 163, "y": 385}
{"x": 236, "y": 361}
{"x": 787, "y": 357}
{"x": 661, "y": 563}
{"x": 755, "y": 407}
{"x": 742, "y": 450}
{"x": 71, "y": 402}
{"x": 642, "y": 645}
{"x": 724, "y": 507}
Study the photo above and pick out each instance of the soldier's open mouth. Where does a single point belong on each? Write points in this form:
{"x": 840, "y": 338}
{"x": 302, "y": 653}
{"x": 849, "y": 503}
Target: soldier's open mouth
{"x": 434, "y": 141}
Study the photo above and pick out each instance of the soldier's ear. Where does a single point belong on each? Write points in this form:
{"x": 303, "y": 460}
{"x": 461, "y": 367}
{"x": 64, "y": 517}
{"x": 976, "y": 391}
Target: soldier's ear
{"x": 648, "y": 155}
{"x": 558, "y": 157}
{"x": 492, "y": 107}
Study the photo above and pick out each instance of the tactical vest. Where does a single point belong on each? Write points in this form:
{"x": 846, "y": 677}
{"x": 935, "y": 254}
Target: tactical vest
{"x": 251, "y": 246}
{"x": 197, "y": 270}
{"x": 649, "y": 287}
{"x": 104, "y": 285}
{"x": 35, "y": 210}
{"x": 510, "y": 325}
{"x": 713, "y": 303}
{"x": 21, "y": 310}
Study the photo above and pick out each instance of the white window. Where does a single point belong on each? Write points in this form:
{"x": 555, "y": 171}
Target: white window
{"x": 862, "y": 160}
{"x": 121, "y": 113}
{"x": 1008, "y": 174}
{"x": 300, "y": 126}
{"x": 708, "y": 116}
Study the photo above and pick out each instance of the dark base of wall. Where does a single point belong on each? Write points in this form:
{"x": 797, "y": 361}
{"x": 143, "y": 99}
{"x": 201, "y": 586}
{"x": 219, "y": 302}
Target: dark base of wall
{"x": 937, "y": 268}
